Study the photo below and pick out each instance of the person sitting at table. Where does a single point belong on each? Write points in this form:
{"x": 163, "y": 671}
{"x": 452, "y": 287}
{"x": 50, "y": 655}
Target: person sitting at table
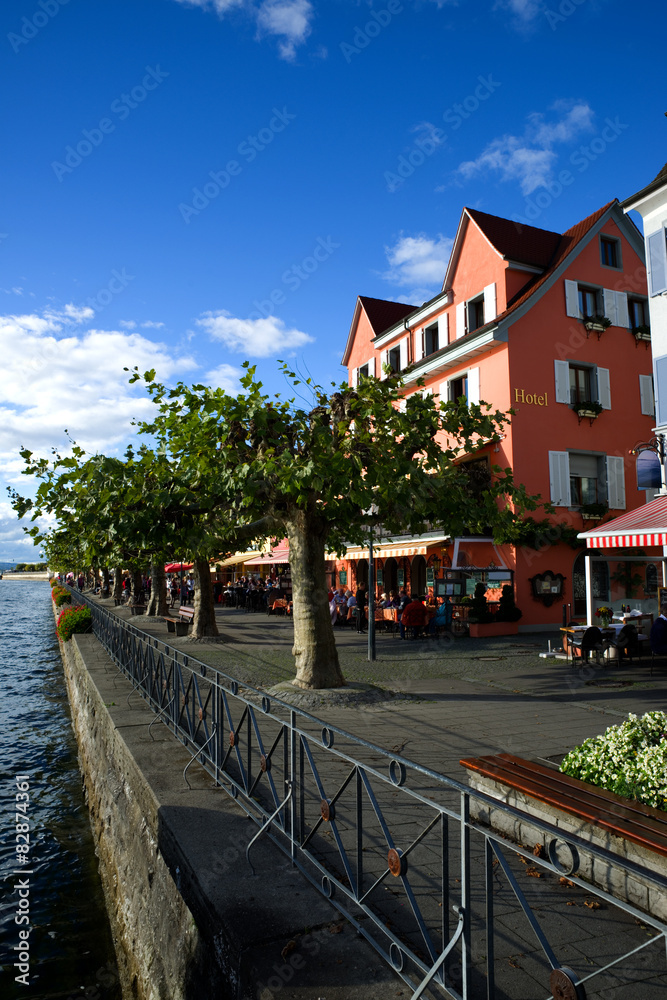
{"x": 414, "y": 616}
{"x": 443, "y": 616}
{"x": 393, "y": 601}
{"x": 659, "y": 633}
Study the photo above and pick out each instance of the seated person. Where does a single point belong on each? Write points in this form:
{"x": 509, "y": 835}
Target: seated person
{"x": 414, "y": 616}
{"x": 659, "y": 633}
{"x": 442, "y": 617}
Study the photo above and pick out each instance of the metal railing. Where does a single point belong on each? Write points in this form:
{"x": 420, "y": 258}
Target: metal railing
{"x": 395, "y": 846}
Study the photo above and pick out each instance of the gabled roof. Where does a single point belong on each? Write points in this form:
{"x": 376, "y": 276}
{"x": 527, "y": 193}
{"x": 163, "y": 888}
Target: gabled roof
{"x": 381, "y": 315}
{"x": 658, "y": 181}
{"x": 514, "y": 241}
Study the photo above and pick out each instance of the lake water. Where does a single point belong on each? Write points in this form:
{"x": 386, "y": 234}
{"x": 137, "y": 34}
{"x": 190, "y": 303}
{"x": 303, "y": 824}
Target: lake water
{"x": 70, "y": 949}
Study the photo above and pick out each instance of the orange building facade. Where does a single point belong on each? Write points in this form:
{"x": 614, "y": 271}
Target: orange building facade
{"x": 546, "y": 324}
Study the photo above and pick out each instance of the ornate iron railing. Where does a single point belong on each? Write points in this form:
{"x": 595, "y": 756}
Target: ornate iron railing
{"x": 394, "y": 845}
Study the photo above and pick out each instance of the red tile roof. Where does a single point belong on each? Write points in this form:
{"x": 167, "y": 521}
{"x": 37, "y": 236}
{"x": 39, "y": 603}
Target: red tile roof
{"x": 525, "y": 244}
{"x": 383, "y": 314}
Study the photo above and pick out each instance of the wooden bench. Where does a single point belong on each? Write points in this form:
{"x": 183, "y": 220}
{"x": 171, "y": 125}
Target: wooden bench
{"x": 181, "y": 624}
{"x": 621, "y": 817}
{"x": 137, "y": 609}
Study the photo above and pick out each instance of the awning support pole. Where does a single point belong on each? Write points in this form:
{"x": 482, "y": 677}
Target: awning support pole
{"x": 589, "y": 588}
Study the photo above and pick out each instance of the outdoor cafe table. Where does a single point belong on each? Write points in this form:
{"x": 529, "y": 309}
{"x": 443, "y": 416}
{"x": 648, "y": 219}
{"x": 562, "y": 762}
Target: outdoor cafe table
{"x": 608, "y": 632}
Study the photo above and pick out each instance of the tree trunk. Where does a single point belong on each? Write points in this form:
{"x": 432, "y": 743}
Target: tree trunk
{"x": 314, "y": 647}
{"x": 105, "y": 577}
{"x": 204, "y": 623}
{"x": 158, "y": 606}
{"x": 137, "y": 589}
{"x": 118, "y": 583}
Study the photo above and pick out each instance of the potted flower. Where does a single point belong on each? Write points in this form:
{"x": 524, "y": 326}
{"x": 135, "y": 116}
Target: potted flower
{"x": 597, "y": 323}
{"x": 642, "y": 332}
{"x": 588, "y": 408}
{"x": 605, "y": 615}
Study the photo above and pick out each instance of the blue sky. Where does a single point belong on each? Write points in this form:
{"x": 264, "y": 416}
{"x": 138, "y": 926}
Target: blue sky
{"x": 189, "y": 184}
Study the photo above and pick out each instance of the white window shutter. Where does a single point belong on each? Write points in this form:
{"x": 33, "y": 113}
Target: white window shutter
{"x": 419, "y": 345}
{"x": 444, "y": 392}
{"x": 646, "y": 394}
{"x": 371, "y": 367}
{"x": 559, "y": 478}
{"x": 660, "y": 388}
{"x": 402, "y": 403}
{"x": 473, "y": 385}
{"x": 572, "y": 299}
{"x": 562, "y": 381}
{"x": 443, "y": 330}
{"x": 403, "y": 348}
{"x": 384, "y": 360}
{"x": 460, "y": 319}
{"x": 604, "y": 388}
{"x": 354, "y": 377}
{"x": 615, "y": 482}
{"x": 490, "y": 306}
{"x": 622, "y": 313}
{"x": 657, "y": 262}
{"x": 609, "y": 305}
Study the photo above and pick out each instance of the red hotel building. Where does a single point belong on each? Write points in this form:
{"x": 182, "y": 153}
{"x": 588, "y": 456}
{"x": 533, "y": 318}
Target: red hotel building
{"x": 513, "y": 327}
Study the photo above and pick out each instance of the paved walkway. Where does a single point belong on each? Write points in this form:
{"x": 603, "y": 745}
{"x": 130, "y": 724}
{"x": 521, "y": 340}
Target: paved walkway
{"x": 471, "y": 697}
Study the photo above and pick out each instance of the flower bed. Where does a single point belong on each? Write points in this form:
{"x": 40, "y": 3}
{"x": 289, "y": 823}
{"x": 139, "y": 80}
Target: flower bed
{"x": 73, "y": 620}
{"x": 60, "y": 596}
{"x": 629, "y": 759}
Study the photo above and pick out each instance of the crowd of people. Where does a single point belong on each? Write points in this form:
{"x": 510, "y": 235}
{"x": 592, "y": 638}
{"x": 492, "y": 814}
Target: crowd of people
{"x": 414, "y": 612}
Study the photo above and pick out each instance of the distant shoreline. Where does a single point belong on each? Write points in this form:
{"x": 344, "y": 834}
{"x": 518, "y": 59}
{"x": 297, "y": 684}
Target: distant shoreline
{"x": 7, "y": 575}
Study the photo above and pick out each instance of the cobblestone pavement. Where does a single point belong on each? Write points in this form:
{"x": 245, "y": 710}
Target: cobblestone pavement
{"x": 466, "y": 698}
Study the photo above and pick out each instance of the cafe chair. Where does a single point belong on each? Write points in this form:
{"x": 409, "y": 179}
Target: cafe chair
{"x": 590, "y": 641}
{"x": 626, "y": 642}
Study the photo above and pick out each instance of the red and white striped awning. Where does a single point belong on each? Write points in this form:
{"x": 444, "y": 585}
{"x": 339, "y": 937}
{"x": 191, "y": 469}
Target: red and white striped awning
{"x": 639, "y": 528}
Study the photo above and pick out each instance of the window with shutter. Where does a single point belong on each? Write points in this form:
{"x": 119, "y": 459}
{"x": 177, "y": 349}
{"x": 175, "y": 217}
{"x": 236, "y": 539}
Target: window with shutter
{"x": 572, "y": 299}
{"x": 473, "y": 385}
{"x": 609, "y": 306}
{"x": 384, "y": 361}
{"x": 657, "y": 262}
{"x": 615, "y": 482}
{"x": 562, "y": 371}
{"x": 490, "y": 308}
{"x": 604, "y": 388}
{"x": 460, "y": 319}
{"x": 646, "y": 395}
{"x": 559, "y": 478}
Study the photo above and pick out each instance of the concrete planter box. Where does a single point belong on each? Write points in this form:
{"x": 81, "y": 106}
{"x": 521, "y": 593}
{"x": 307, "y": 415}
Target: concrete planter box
{"x": 643, "y": 893}
{"x": 489, "y": 629}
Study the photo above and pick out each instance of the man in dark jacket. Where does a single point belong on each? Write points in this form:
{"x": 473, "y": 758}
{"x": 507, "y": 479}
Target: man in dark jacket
{"x": 361, "y": 607}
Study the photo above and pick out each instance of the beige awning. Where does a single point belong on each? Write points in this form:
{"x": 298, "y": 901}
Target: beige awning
{"x": 396, "y": 550}
{"x": 238, "y": 557}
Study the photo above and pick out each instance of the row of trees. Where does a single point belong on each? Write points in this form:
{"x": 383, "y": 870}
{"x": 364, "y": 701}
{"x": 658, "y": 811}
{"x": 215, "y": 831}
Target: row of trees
{"x": 216, "y": 471}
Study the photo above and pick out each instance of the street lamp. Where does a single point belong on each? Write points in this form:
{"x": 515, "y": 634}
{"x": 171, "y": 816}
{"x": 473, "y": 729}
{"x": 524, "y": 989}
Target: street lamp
{"x": 372, "y": 512}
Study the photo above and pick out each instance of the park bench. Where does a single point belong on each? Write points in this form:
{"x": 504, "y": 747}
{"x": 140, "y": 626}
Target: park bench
{"x": 137, "y": 609}
{"x": 181, "y": 624}
{"x": 619, "y": 817}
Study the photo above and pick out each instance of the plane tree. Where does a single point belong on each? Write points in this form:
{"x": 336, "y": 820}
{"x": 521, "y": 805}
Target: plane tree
{"x": 323, "y": 473}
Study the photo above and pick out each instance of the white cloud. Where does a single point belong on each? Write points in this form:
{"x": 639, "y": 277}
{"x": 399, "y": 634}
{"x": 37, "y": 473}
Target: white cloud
{"x": 151, "y": 325}
{"x": 419, "y": 261}
{"x": 530, "y": 158}
{"x": 288, "y": 20}
{"x": 255, "y": 338}
{"x": 13, "y": 291}
{"x": 225, "y": 377}
{"x": 525, "y": 11}
{"x": 128, "y": 324}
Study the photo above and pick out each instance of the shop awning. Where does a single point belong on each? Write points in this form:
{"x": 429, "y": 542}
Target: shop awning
{"x": 639, "y": 528}
{"x": 279, "y": 555}
{"x": 396, "y": 550}
{"x": 238, "y": 557}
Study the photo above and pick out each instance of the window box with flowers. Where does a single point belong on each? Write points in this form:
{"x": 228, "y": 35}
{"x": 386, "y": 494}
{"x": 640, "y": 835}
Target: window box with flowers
{"x": 589, "y": 408}
{"x": 642, "y": 332}
{"x": 598, "y": 324}
{"x": 593, "y": 511}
